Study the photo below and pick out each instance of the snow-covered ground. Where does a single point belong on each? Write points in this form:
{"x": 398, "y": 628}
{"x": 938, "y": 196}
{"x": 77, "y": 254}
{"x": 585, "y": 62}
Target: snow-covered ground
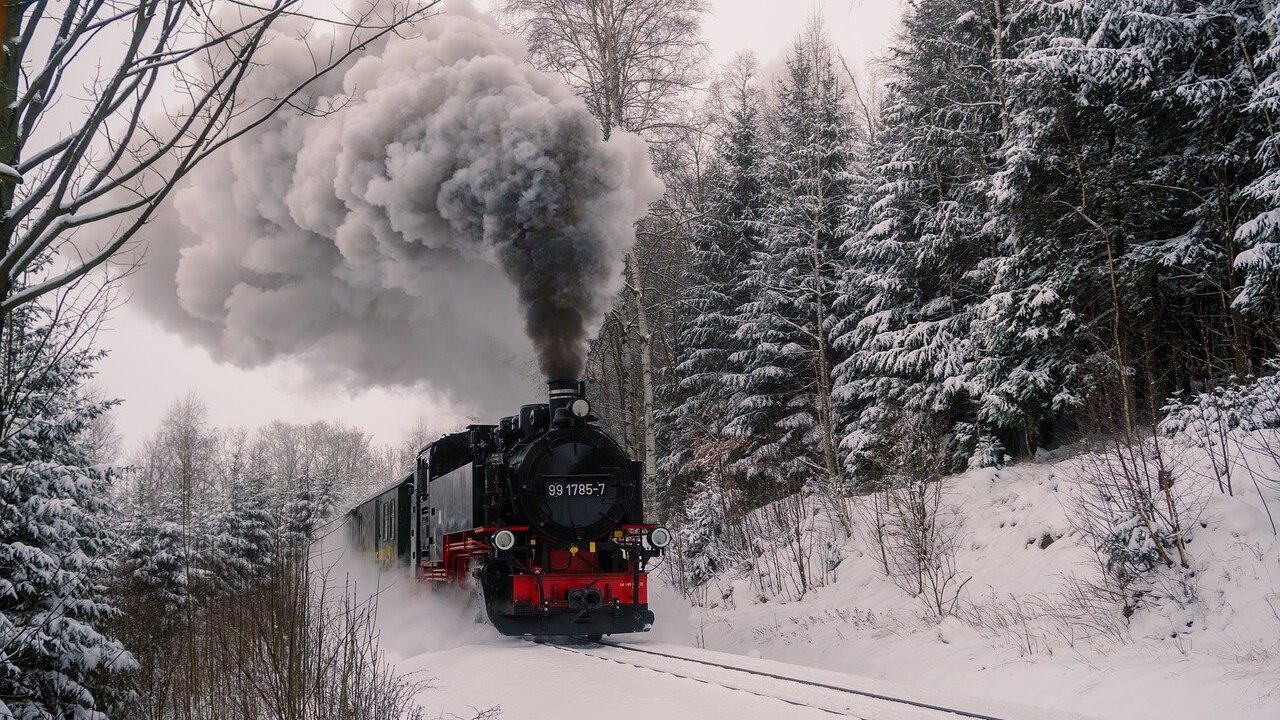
{"x": 525, "y": 680}
{"x": 438, "y": 635}
{"x": 1217, "y": 656}
{"x": 528, "y": 680}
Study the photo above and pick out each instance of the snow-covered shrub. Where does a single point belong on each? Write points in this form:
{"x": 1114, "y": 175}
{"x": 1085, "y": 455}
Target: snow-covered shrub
{"x": 792, "y": 550}
{"x": 782, "y": 550}
{"x": 325, "y": 660}
{"x": 921, "y": 531}
{"x": 1132, "y": 546}
{"x": 295, "y": 644}
{"x": 1249, "y": 405}
{"x": 1076, "y": 615}
{"x": 1135, "y": 507}
{"x": 988, "y": 451}
{"x": 1229, "y": 423}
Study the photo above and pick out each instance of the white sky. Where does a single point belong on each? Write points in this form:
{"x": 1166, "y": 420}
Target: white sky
{"x": 149, "y": 369}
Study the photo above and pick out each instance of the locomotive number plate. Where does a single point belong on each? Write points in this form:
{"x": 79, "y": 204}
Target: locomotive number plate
{"x": 575, "y": 489}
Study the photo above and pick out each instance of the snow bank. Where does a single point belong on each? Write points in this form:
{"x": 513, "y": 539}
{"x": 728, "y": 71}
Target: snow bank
{"x": 1024, "y": 631}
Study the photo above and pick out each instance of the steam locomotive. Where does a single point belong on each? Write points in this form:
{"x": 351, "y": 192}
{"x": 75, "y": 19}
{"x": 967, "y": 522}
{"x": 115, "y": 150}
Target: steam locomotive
{"x": 543, "y": 512}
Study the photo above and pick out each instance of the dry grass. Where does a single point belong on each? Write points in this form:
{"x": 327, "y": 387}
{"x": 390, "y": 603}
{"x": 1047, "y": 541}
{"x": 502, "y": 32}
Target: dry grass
{"x": 297, "y": 646}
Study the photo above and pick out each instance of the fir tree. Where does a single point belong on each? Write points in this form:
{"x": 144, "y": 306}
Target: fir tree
{"x": 311, "y": 501}
{"x": 864, "y": 301}
{"x": 721, "y": 250}
{"x": 1121, "y": 192}
{"x": 245, "y": 534}
{"x": 1259, "y": 236}
{"x": 702, "y": 536}
{"x": 56, "y": 536}
{"x": 786, "y": 415}
{"x": 931, "y": 234}
{"x": 157, "y": 566}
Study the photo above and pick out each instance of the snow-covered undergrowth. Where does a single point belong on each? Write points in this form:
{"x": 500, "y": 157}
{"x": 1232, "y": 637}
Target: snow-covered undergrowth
{"x": 1030, "y": 624}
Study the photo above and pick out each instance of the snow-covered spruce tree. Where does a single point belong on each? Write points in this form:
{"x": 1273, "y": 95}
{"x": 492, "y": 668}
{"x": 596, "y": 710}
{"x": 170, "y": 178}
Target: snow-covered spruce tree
{"x": 918, "y": 276}
{"x": 703, "y": 533}
{"x": 1191, "y": 84}
{"x": 310, "y": 502}
{"x": 866, "y": 402}
{"x": 156, "y": 568}
{"x": 1121, "y": 193}
{"x": 174, "y": 506}
{"x": 700, "y": 450}
{"x": 57, "y": 537}
{"x": 245, "y": 531}
{"x": 1259, "y": 237}
{"x": 786, "y": 416}
{"x": 163, "y": 579}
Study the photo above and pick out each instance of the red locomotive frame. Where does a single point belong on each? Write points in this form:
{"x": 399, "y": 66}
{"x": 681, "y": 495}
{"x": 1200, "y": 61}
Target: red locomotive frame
{"x": 572, "y": 567}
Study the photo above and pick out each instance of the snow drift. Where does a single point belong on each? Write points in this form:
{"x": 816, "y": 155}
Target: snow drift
{"x": 439, "y": 194}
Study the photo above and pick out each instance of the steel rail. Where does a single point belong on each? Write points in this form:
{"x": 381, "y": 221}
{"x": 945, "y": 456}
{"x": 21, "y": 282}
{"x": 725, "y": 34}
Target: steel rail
{"x": 788, "y": 701}
{"x": 812, "y": 683}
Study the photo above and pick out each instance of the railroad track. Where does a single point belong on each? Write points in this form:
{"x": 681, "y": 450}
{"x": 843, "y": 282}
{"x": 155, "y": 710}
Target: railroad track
{"x": 690, "y": 676}
{"x": 838, "y": 700}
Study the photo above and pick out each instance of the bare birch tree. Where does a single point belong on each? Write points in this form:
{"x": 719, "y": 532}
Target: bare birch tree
{"x": 106, "y": 104}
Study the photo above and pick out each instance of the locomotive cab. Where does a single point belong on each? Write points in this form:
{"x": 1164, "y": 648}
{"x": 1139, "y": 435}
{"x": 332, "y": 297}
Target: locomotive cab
{"x": 545, "y": 511}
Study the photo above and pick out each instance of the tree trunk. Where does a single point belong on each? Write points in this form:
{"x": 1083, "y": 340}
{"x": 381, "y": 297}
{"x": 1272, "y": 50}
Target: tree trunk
{"x": 621, "y": 363}
{"x": 646, "y": 373}
{"x": 10, "y": 64}
{"x": 826, "y": 414}
{"x": 822, "y": 360}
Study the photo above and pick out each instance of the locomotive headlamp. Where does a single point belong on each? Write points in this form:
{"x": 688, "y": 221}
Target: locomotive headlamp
{"x": 659, "y": 537}
{"x": 504, "y": 539}
{"x": 580, "y": 408}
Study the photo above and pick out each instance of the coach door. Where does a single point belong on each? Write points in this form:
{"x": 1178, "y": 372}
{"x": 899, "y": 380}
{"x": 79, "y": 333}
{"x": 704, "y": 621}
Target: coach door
{"x": 425, "y": 542}
{"x": 387, "y": 529}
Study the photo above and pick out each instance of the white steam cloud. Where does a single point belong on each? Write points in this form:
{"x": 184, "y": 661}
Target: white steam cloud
{"x": 459, "y": 210}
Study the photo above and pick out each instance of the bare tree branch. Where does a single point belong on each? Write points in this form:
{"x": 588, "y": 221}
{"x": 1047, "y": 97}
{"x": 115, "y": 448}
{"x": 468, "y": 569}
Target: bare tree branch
{"x": 131, "y": 146}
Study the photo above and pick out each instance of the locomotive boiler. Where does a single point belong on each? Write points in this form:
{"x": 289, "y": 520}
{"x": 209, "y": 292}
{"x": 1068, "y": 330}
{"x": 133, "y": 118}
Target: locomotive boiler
{"x": 543, "y": 511}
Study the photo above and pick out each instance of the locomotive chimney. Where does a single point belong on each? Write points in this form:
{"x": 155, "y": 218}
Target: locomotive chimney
{"x": 563, "y": 393}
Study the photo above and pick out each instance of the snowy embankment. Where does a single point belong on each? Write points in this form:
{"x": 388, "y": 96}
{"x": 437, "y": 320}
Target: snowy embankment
{"x": 1022, "y": 632}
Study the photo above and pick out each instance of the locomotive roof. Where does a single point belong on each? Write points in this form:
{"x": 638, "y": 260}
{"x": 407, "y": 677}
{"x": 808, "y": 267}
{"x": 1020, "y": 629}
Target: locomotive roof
{"x": 450, "y": 452}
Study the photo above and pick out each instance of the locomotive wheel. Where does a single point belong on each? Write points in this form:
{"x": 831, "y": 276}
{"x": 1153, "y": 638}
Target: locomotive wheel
{"x": 595, "y": 638}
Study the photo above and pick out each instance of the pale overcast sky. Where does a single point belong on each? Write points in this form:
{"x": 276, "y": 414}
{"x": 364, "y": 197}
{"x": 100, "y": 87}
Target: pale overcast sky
{"x": 148, "y": 368}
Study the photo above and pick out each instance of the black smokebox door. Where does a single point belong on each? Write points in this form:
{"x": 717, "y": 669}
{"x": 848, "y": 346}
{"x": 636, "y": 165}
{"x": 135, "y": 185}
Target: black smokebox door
{"x": 581, "y": 486}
